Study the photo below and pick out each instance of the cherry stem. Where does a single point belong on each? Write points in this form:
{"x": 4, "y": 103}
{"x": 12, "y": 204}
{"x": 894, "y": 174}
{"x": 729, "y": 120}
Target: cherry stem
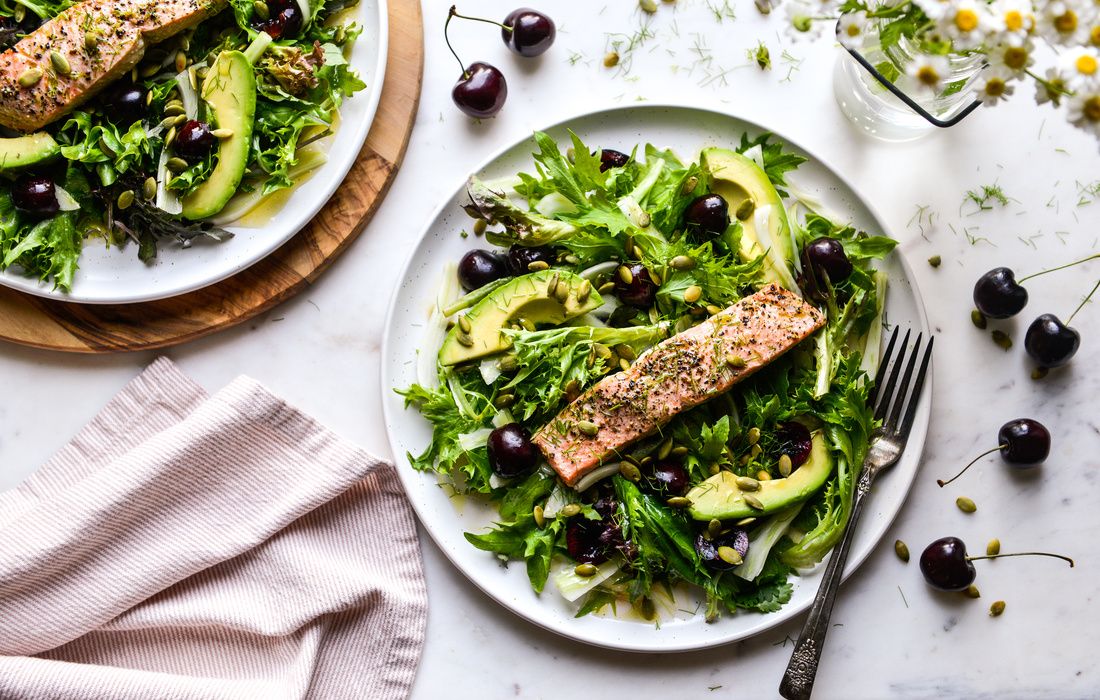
{"x": 1060, "y": 267}
{"x": 1082, "y": 304}
{"x": 447, "y": 38}
{"x": 505, "y": 27}
{"x": 943, "y": 483}
{"x": 1022, "y": 554}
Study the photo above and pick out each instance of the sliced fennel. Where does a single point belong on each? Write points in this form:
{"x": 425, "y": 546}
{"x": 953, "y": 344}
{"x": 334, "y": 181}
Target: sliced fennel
{"x": 872, "y": 344}
{"x": 571, "y": 586}
{"x": 188, "y": 95}
{"x": 503, "y": 418}
{"x": 475, "y": 439}
{"x": 756, "y": 155}
{"x": 65, "y": 201}
{"x": 596, "y": 475}
{"x": 490, "y": 370}
{"x": 426, "y": 372}
{"x": 555, "y": 203}
{"x": 167, "y": 200}
{"x": 762, "y": 541}
{"x": 775, "y": 258}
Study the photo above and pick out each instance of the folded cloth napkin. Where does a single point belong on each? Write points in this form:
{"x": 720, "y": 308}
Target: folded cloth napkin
{"x": 192, "y": 547}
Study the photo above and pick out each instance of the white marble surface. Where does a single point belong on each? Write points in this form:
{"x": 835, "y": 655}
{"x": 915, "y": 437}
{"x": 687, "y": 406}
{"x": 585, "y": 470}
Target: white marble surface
{"x": 893, "y": 636}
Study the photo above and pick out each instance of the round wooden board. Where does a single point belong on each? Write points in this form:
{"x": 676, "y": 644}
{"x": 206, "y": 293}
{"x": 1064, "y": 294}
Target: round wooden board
{"x": 87, "y": 328}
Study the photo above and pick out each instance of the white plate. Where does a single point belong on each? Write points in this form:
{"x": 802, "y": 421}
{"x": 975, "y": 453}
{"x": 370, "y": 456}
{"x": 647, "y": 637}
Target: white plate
{"x": 112, "y": 276}
{"x": 684, "y": 130}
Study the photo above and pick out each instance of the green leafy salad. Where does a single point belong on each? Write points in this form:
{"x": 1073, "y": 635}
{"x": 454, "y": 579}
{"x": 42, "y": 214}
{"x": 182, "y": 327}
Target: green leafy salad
{"x": 208, "y": 123}
{"x": 600, "y": 257}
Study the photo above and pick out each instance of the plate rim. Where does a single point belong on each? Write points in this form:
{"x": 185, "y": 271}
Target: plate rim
{"x": 44, "y": 290}
{"x": 406, "y": 474}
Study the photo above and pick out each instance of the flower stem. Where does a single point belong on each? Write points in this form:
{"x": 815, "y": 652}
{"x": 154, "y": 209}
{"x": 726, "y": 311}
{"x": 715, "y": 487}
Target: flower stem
{"x": 1023, "y": 554}
{"x": 1060, "y": 267}
{"x": 1082, "y": 304}
{"x": 451, "y": 14}
{"x": 943, "y": 483}
{"x": 505, "y": 27}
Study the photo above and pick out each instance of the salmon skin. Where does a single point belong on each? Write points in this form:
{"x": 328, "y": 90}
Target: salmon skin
{"x": 673, "y": 376}
{"x": 73, "y": 68}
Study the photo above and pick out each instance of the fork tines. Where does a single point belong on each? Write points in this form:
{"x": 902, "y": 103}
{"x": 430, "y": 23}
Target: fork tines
{"x": 888, "y": 407}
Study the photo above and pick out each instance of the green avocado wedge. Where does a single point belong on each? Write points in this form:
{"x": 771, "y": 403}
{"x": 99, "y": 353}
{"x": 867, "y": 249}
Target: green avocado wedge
{"x": 746, "y": 188}
{"x": 719, "y": 496}
{"x": 229, "y": 91}
{"x": 549, "y": 297}
{"x": 24, "y": 151}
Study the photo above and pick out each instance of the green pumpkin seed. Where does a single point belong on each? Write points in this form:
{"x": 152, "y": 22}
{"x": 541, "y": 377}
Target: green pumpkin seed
{"x": 507, "y": 363}
{"x": 965, "y": 504}
{"x": 181, "y": 62}
{"x": 148, "y": 98}
{"x": 626, "y": 352}
{"x": 562, "y": 293}
{"x": 730, "y": 555}
{"x": 997, "y": 608}
{"x": 504, "y": 400}
{"x": 192, "y": 79}
{"x": 713, "y": 310}
{"x": 527, "y": 324}
{"x": 693, "y": 293}
{"x": 149, "y": 188}
{"x": 755, "y": 451}
{"x": 972, "y": 591}
{"x": 747, "y": 483}
{"x": 679, "y": 451}
{"x": 626, "y": 275}
{"x": 624, "y": 364}
{"x": 752, "y": 501}
{"x": 714, "y": 527}
{"x": 261, "y": 9}
{"x": 167, "y": 122}
{"x": 763, "y": 475}
{"x": 785, "y": 465}
{"x": 149, "y": 70}
{"x": 611, "y": 59}
{"x": 570, "y": 510}
{"x": 479, "y": 227}
{"x": 539, "y": 515}
{"x": 753, "y": 435}
{"x": 538, "y": 266}
{"x": 644, "y": 219}
{"x": 935, "y": 261}
{"x": 19, "y": 12}
{"x": 60, "y": 64}
{"x": 1001, "y": 340}
{"x": 125, "y": 199}
{"x": 714, "y": 469}
{"x": 638, "y": 252}
{"x": 689, "y": 185}
{"x": 170, "y": 137}
{"x": 902, "y": 550}
{"x": 678, "y": 502}
{"x": 602, "y": 351}
{"x": 91, "y": 41}
{"x": 978, "y": 319}
{"x": 606, "y": 288}
{"x": 464, "y": 324}
{"x": 588, "y": 428}
{"x": 665, "y": 449}
{"x": 30, "y": 77}
{"x": 647, "y": 609}
{"x": 465, "y": 340}
{"x": 993, "y": 548}
{"x": 586, "y": 570}
{"x": 736, "y": 361}
{"x": 571, "y": 259}
{"x": 552, "y": 285}
{"x": 584, "y": 291}
{"x": 173, "y": 109}
{"x": 176, "y": 165}
{"x": 745, "y": 210}
{"x": 629, "y": 471}
{"x": 681, "y": 262}
{"x": 743, "y": 522}
{"x": 628, "y": 245}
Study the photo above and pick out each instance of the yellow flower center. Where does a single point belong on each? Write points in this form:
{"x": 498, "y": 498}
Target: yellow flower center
{"x": 966, "y": 20}
{"x": 927, "y": 75}
{"x": 995, "y": 87}
{"x": 1094, "y": 36}
{"x": 1016, "y": 57}
{"x": 1014, "y": 20}
{"x": 1066, "y": 23}
{"x": 853, "y": 30}
{"x": 1092, "y": 108}
{"x": 1086, "y": 64}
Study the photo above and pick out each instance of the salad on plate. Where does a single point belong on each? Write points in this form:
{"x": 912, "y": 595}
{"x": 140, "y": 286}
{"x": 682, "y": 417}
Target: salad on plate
{"x": 658, "y": 374}
{"x": 140, "y": 121}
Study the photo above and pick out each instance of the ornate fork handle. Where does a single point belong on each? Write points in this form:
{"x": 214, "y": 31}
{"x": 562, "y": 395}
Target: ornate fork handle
{"x": 798, "y": 681}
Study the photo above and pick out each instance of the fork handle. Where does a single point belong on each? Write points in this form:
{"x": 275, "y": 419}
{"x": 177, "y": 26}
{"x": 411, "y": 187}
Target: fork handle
{"x": 798, "y": 681}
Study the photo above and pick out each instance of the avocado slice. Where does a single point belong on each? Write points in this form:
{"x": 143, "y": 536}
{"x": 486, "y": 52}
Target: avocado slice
{"x": 528, "y": 298}
{"x": 719, "y": 497}
{"x": 229, "y": 90}
{"x": 746, "y": 188}
{"x": 23, "y": 151}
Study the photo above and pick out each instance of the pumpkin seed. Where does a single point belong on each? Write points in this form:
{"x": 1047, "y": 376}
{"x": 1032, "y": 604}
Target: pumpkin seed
{"x": 753, "y": 435}
{"x": 149, "y": 70}
{"x": 626, "y": 352}
{"x": 678, "y": 502}
{"x": 479, "y": 227}
{"x": 647, "y": 609}
{"x": 181, "y": 62}
{"x": 552, "y": 285}
{"x": 603, "y": 351}
{"x": 679, "y": 451}
{"x": 170, "y": 137}
{"x": 584, "y": 291}
{"x": 638, "y": 252}
{"x": 902, "y": 550}
{"x": 176, "y": 165}
{"x": 261, "y": 9}
{"x": 730, "y": 555}
{"x": 689, "y": 185}
{"x": 644, "y": 219}
{"x": 626, "y": 275}
{"x": 507, "y": 363}
{"x": 125, "y": 199}
{"x": 978, "y": 319}
{"x": 693, "y": 293}
{"x": 504, "y": 400}
{"x": 745, "y": 210}
{"x": 752, "y": 501}
{"x": 713, "y": 310}
{"x": 1039, "y": 372}
{"x": 785, "y": 465}
{"x": 745, "y": 521}
{"x": 527, "y": 324}
{"x": 464, "y": 324}
{"x": 465, "y": 340}
{"x": 586, "y": 570}
{"x": 540, "y": 515}
{"x": 681, "y": 262}
{"x": 714, "y": 468}
{"x": 624, "y": 364}
{"x": 1001, "y": 339}
{"x": 91, "y": 41}
{"x": 192, "y": 79}
{"x": 972, "y": 591}
{"x": 173, "y": 109}
{"x": 993, "y": 548}
{"x": 747, "y": 483}
{"x": 569, "y": 510}
{"x": 149, "y": 188}
{"x": 665, "y": 449}
{"x": 997, "y": 608}
{"x": 763, "y": 475}
{"x": 538, "y": 266}
{"x": 562, "y": 293}
{"x": 167, "y": 122}
{"x": 148, "y": 98}
{"x": 736, "y": 361}
{"x": 587, "y": 427}
{"x": 30, "y": 77}
{"x": 611, "y": 59}
{"x": 755, "y": 451}
{"x": 19, "y": 13}
{"x": 714, "y": 527}
{"x": 60, "y": 64}
{"x": 965, "y": 504}
{"x": 935, "y": 261}
{"x": 629, "y": 471}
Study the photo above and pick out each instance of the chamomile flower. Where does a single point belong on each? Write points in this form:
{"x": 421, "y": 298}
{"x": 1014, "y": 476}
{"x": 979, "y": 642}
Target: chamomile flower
{"x": 1081, "y": 64}
{"x": 1011, "y": 56}
{"x": 1052, "y": 88}
{"x": 966, "y": 22}
{"x": 1013, "y": 20}
{"x": 928, "y": 71}
{"x": 934, "y": 9}
{"x": 852, "y": 29}
{"x": 1093, "y": 29}
{"x": 800, "y": 19}
{"x": 994, "y": 85}
{"x": 1061, "y": 22}
{"x": 1084, "y": 110}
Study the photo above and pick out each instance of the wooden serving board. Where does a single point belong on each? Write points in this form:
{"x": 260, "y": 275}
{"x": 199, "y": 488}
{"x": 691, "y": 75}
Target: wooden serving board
{"x": 91, "y": 328}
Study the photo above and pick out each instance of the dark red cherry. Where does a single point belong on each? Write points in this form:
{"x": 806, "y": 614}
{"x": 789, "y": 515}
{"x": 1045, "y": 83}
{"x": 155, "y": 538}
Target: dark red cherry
{"x": 511, "y": 452}
{"x": 707, "y": 549}
{"x": 612, "y": 159}
{"x": 945, "y": 566}
{"x": 284, "y": 19}
{"x": 667, "y": 478}
{"x": 480, "y": 92}
{"x": 1050, "y": 342}
{"x": 640, "y": 292}
{"x": 195, "y": 140}
{"x": 1024, "y": 441}
{"x": 480, "y": 267}
{"x": 998, "y": 295}
{"x": 827, "y": 255}
{"x": 35, "y": 194}
{"x": 528, "y": 32}
{"x": 521, "y": 257}
{"x": 708, "y": 216}
{"x": 124, "y": 104}
{"x": 795, "y": 441}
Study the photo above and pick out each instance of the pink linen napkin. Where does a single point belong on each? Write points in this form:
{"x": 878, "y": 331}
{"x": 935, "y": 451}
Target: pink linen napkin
{"x": 192, "y": 547}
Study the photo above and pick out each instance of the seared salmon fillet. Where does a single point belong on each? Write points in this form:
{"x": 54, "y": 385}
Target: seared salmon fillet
{"x": 673, "y": 376}
{"x": 71, "y": 68}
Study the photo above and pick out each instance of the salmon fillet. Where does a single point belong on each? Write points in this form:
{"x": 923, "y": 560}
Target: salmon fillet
{"x": 675, "y": 375}
{"x": 124, "y": 28}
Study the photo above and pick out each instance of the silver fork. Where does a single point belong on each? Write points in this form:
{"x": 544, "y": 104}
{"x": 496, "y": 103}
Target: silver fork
{"x": 887, "y": 443}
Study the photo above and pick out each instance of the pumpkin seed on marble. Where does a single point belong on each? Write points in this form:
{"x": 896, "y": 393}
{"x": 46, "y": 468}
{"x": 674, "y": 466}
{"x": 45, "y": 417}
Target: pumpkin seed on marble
{"x": 902, "y": 550}
{"x": 965, "y": 504}
{"x": 997, "y": 608}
